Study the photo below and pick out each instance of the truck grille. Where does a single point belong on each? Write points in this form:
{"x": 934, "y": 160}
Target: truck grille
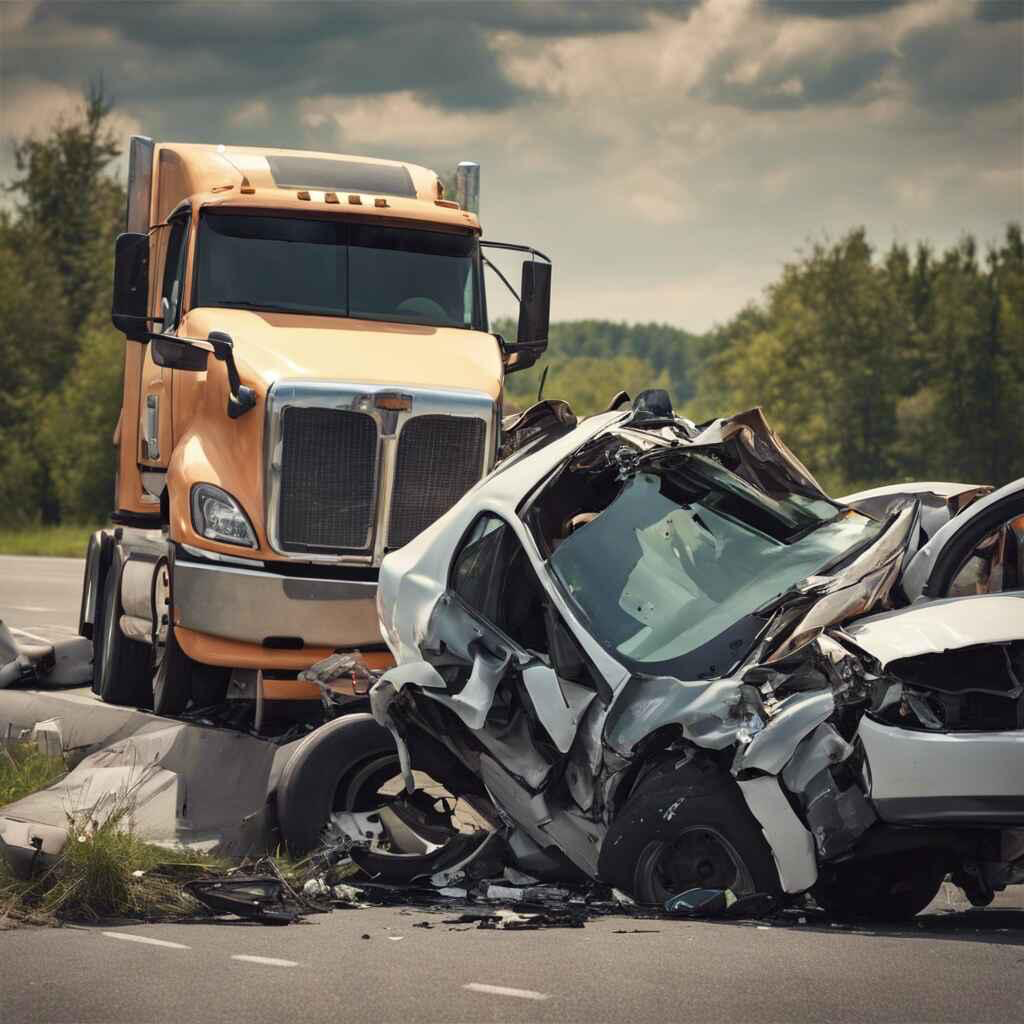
{"x": 328, "y": 480}
{"x": 439, "y": 459}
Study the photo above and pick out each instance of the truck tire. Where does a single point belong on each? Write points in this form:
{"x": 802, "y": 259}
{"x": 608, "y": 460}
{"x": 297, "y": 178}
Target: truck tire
{"x": 687, "y": 828}
{"x": 179, "y": 680}
{"x": 894, "y": 888}
{"x": 97, "y": 564}
{"x": 121, "y": 667}
{"x": 339, "y": 767}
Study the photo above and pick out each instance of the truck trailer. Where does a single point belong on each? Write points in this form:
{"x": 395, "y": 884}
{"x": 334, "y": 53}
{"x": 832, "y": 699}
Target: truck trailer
{"x": 310, "y": 380}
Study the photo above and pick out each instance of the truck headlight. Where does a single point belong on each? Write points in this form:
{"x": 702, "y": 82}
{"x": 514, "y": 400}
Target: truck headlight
{"x": 217, "y": 516}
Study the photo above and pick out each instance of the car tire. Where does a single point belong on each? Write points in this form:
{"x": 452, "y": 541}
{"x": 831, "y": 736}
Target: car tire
{"x": 893, "y": 888}
{"x": 687, "y": 827}
{"x": 121, "y": 667}
{"x": 178, "y": 680}
{"x": 339, "y": 767}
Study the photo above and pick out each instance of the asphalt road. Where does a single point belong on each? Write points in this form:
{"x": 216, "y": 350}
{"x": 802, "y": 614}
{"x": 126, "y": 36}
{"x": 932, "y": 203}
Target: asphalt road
{"x": 950, "y": 964}
{"x": 40, "y": 596}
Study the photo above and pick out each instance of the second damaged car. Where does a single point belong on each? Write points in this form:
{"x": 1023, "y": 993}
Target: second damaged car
{"x": 661, "y": 656}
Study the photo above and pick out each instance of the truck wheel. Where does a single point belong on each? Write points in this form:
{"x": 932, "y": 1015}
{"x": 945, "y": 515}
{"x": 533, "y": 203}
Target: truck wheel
{"x": 893, "y": 888}
{"x": 178, "y": 679}
{"x": 121, "y": 667}
{"x": 339, "y": 767}
{"x": 687, "y": 828}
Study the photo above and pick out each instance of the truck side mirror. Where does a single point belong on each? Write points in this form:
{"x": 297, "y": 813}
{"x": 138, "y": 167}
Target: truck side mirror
{"x": 534, "y": 313}
{"x": 131, "y": 286}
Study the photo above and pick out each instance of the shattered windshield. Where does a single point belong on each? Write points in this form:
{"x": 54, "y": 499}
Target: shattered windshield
{"x": 687, "y": 552}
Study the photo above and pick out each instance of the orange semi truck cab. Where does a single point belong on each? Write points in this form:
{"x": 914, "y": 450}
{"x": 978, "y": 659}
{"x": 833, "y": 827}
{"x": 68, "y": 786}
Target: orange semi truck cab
{"x": 309, "y": 382}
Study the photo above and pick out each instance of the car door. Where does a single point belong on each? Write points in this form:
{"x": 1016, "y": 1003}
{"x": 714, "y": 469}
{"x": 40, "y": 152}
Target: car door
{"x": 524, "y": 684}
{"x": 979, "y": 551}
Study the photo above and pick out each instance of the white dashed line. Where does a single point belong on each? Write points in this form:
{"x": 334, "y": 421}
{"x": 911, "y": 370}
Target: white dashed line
{"x": 269, "y": 961}
{"x": 501, "y": 990}
{"x": 31, "y": 636}
{"x": 125, "y": 937}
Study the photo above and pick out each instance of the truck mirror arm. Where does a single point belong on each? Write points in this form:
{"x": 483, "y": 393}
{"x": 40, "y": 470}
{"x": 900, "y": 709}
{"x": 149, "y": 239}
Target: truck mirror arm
{"x": 240, "y": 398}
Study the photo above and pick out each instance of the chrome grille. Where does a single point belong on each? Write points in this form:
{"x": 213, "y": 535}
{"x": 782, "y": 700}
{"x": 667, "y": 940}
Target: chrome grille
{"x": 439, "y": 459}
{"x": 328, "y": 480}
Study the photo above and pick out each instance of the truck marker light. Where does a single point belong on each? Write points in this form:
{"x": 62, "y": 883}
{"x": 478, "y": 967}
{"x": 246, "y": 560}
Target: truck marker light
{"x": 246, "y": 188}
{"x": 393, "y": 403}
{"x": 331, "y": 197}
{"x": 355, "y": 200}
{"x": 303, "y": 194}
{"x": 380, "y": 201}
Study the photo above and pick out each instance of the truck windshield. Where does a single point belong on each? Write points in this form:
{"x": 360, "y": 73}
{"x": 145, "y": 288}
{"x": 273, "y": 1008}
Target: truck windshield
{"x": 332, "y": 268}
{"x": 670, "y": 575}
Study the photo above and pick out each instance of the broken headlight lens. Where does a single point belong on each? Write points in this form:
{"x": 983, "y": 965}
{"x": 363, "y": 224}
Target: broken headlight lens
{"x": 217, "y": 516}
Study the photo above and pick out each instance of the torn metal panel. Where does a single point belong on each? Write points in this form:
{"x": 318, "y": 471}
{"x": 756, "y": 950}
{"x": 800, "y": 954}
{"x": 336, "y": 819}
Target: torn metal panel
{"x": 938, "y": 626}
{"x": 712, "y": 714}
{"x": 771, "y": 749}
{"x": 791, "y": 844}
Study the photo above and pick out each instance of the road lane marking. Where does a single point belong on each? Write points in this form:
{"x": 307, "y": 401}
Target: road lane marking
{"x": 31, "y": 636}
{"x": 501, "y": 990}
{"x": 270, "y": 961}
{"x": 126, "y": 937}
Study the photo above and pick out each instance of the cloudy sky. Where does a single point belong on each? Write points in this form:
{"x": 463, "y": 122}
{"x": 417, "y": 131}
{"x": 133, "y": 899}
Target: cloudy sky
{"x": 669, "y": 157}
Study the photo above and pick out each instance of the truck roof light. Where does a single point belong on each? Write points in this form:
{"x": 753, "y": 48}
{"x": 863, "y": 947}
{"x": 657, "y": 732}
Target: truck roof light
{"x": 448, "y": 204}
{"x": 331, "y": 197}
{"x": 303, "y": 194}
{"x": 246, "y": 188}
{"x": 355, "y": 200}
{"x": 380, "y": 201}
{"x": 393, "y": 402}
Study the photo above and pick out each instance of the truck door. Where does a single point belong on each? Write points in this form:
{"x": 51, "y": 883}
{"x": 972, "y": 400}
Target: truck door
{"x": 155, "y": 439}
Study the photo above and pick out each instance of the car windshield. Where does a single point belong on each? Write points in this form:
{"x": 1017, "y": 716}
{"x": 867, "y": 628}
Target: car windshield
{"x": 686, "y": 554}
{"x": 333, "y": 268}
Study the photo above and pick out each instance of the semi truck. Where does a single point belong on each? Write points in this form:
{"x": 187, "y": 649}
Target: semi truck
{"x": 310, "y": 380}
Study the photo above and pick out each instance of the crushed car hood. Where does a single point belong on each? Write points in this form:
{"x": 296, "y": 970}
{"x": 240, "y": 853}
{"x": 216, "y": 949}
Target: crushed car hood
{"x": 939, "y": 626}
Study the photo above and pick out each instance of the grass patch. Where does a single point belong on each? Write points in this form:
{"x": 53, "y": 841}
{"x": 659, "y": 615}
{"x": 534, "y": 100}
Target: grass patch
{"x": 24, "y": 769}
{"x": 54, "y": 541}
{"x": 105, "y": 870}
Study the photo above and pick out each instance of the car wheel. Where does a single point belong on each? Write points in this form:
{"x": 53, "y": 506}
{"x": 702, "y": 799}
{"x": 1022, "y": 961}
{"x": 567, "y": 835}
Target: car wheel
{"x": 882, "y": 889}
{"x": 339, "y": 767}
{"x": 121, "y": 667}
{"x": 687, "y": 828}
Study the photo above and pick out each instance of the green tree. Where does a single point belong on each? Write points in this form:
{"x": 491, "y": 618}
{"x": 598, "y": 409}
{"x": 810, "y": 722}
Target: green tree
{"x": 56, "y": 251}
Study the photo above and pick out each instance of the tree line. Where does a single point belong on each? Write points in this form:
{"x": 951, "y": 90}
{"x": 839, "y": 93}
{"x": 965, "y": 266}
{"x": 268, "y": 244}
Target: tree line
{"x": 875, "y": 367}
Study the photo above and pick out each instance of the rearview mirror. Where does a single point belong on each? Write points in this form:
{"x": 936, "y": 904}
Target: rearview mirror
{"x": 178, "y": 354}
{"x": 535, "y": 305}
{"x": 131, "y": 286}
{"x": 534, "y": 314}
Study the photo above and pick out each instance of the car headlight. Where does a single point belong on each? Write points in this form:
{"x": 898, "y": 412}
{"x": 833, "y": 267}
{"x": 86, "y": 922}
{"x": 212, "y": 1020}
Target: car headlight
{"x": 217, "y": 516}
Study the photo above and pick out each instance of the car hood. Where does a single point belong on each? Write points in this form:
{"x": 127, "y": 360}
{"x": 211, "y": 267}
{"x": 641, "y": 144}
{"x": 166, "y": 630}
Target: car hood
{"x": 276, "y": 346}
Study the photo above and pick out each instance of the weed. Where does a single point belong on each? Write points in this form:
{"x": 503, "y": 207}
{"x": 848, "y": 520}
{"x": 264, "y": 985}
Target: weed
{"x": 24, "y": 769}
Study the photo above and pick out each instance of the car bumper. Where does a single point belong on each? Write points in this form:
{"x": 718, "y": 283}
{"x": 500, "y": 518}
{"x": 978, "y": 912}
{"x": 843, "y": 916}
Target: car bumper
{"x": 274, "y": 611}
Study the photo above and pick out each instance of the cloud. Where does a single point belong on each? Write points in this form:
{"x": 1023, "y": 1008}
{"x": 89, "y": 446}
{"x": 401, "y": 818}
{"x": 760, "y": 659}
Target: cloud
{"x": 670, "y": 158}
{"x": 830, "y": 9}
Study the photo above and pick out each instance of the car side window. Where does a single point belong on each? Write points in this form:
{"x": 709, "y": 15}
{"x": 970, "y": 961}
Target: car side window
{"x": 995, "y": 565}
{"x": 174, "y": 271}
{"x": 493, "y": 576}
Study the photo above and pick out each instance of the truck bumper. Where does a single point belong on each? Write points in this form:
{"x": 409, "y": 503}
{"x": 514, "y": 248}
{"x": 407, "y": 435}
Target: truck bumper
{"x": 272, "y": 611}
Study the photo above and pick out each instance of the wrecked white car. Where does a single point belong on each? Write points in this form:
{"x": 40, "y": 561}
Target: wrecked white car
{"x": 660, "y": 656}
